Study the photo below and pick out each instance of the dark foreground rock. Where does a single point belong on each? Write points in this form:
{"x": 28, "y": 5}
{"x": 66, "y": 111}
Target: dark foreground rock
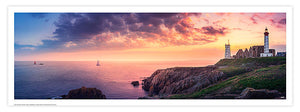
{"x": 250, "y": 93}
{"x": 135, "y": 83}
{"x": 181, "y": 80}
{"x": 84, "y": 93}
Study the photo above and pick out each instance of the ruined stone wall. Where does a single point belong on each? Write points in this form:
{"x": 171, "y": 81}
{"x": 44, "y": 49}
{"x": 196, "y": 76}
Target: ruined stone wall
{"x": 272, "y": 51}
{"x": 253, "y": 52}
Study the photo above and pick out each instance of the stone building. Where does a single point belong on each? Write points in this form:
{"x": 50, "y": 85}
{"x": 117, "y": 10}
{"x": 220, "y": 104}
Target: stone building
{"x": 282, "y": 54}
{"x": 257, "y": 51}
{"x": 239, "y": 54}
{"x": 272, "y": 51}
{"x": 253, "y": 52}
{"x": 246, "y": 53}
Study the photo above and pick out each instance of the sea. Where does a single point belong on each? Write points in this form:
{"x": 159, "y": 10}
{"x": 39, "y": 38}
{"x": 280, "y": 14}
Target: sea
{"x": 55, "y": 78}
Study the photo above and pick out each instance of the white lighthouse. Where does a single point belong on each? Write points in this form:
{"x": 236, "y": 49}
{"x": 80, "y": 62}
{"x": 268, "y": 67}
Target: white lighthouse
{"x": 266, "y": 45}
{"x": 227, "y": 51}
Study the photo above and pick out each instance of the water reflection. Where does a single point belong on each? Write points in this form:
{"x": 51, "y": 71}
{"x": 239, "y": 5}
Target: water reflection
{"x": 56, "y": 78}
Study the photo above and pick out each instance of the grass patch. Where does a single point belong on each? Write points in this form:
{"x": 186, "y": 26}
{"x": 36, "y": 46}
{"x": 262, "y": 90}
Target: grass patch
{"x": 263, "y": 69}
{"x": 233, "y": 70}
{"x": 259, "y": 83}
{"x": 262, "y": 61}
{"x": 267, "y": 78}
{"x": 272, "y": 78}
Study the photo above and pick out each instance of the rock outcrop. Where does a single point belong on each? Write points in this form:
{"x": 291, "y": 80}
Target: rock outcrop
{"x": 250, "y": 93}
{"x": 85, "y": 93}
{"x": 181, "y": 80}
{"x": 135, "y": 83}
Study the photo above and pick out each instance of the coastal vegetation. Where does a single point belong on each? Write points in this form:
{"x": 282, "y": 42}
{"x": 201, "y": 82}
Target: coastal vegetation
{"x": 259, "y": 73}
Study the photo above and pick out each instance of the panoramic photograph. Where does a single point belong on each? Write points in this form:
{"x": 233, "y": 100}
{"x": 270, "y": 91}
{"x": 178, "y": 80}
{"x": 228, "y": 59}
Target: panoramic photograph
{"x": 149, "y": 55}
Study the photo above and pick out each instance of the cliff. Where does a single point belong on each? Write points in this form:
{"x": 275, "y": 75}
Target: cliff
{"x": 226, "y": 79}
{"x": 181, "y": 80}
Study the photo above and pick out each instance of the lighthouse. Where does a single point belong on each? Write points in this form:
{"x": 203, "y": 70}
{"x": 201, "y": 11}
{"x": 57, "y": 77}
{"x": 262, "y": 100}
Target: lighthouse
{"x": 266, "y": 45}
{"x": 227, "y": 51}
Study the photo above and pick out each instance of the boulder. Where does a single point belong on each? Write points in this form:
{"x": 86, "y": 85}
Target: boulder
{"x": 251, "y": 93}
{"x": 135, "y": 83}
{"x": 84, "y": 93}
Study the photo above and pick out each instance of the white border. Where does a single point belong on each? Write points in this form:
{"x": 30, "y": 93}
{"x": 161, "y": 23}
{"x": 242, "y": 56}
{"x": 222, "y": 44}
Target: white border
{"x": 161, "y": 102}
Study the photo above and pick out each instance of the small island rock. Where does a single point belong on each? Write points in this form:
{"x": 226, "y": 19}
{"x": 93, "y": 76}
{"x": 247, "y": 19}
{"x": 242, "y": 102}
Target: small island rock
{"x": 85, "y": 93}
{"x": 135, "y": 83}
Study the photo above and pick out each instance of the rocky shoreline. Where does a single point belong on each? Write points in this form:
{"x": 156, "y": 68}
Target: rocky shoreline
{"x": 255, "y": 78}
{"x": 227, "y": 79}
{"x": 180, "y": 80}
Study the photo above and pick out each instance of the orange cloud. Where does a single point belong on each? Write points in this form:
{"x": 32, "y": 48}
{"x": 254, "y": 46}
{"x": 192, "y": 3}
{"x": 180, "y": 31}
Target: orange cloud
{"x": 182, "y": 36}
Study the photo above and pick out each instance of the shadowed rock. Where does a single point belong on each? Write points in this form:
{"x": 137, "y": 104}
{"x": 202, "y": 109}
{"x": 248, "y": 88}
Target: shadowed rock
{"x": 250, "y": 93}
{"x": 135, "y": 83}
{"x": 84, "y": 93}
{"x": 181, "y": 80}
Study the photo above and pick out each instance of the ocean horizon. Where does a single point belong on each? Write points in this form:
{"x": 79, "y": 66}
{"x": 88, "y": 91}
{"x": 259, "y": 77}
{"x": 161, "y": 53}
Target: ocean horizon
{"x": 55, "y": 78}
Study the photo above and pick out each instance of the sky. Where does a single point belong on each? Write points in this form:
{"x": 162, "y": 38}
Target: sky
{"x": 142, "y": 36}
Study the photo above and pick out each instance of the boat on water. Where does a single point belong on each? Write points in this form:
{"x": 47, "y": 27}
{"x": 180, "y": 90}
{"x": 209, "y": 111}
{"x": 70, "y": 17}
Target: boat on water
{"x": 98, "y": 63}
{"x": 34, "y": 62}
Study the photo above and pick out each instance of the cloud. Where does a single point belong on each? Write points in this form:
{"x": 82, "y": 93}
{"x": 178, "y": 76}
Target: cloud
{"x": 24, "y": 47}
{"x": 254, "y": 21}
{"x": 39, "y": 15}
{"x": 30, "y": 48}
{"x": 214, "y": 31}
{"x": 127, "y": 30}
{"x": 43, "y": 16}
{"x": 272, "y": 21}
{"x": 206, "y": 20}
{"x": 77, "y": 27}
{"x": 218, "y": 22}
{"x": 19, "y": 46}
{"x": 260, "y": 17}
{"x": 236, "y": 28}
{"x": 282, "y": 21}
{"x": 70, "y": 44}
{"x": 279, "y": 23}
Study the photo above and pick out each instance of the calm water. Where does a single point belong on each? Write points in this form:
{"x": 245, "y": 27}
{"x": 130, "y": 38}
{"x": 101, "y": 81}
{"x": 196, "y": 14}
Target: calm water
{"x": 56, "y": 78}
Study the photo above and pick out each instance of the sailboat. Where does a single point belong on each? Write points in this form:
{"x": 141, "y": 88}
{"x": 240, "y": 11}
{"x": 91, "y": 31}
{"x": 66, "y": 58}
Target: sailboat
{"x": 34, "y": 62}
{"x": 98, "y": 63}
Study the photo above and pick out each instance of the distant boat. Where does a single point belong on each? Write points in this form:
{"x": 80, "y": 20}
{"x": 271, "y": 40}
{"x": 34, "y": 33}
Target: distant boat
{"x": 98, "y": 63}
{"x": 41, "y": 64}
{"x": 34, "y": 62}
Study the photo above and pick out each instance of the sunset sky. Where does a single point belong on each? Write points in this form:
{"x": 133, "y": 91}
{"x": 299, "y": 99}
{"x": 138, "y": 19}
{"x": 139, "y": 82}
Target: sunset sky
{"x": 142, "y": 36}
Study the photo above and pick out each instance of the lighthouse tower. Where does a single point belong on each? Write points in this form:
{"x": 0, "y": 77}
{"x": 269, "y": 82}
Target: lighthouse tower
{"x": 266, "y": 45}
{"x": 227, "y": 51}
